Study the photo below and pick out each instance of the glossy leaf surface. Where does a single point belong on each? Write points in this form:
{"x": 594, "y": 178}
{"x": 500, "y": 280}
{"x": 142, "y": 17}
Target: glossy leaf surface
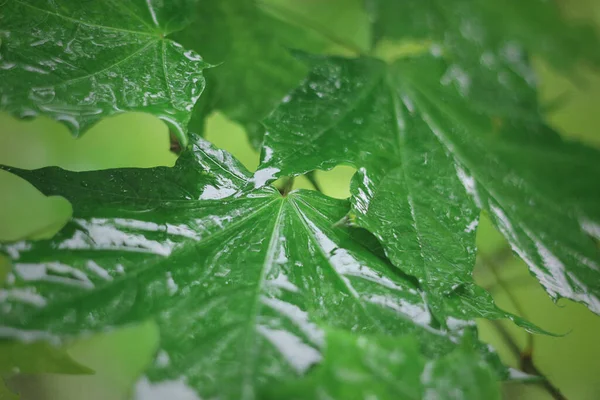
{"x": 359, "y": 367}
{"x": 424, "y": 148}
{"x": 236, "y": 276}
{"x": 262, "y": 295}
{"x": 78, "y": 62}
{"x": 401, "y": 176}
{"x": 253, "y": 67}
{"x": 251, "y": 45}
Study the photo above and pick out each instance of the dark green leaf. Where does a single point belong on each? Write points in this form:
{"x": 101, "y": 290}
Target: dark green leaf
{"x": 254, "y": 69}
{"x": 236, "y": 276}
{"x": 250, "y": 44}
{"x": 472, "y": 30}
{"x": 338, "y": 27}
{"x": 79, "y": 61}
{"x": 426, "y": 150}
{"x": 358, "y": 367}
{"x": 406, "y": 192}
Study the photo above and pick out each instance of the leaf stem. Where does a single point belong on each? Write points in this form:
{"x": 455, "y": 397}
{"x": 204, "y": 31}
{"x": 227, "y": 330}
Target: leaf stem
{"x": 287, "y": 185}
{"x": 174, "y": 143}
{"x": 344, "y": 221}
{"x": 312, "y": 178}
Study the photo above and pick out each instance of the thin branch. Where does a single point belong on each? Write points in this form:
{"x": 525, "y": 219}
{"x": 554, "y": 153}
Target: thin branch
{"x": 512, "y": 282}
{"x": 524, "y": 356}
{"x": 491, "y": 263}
{"x": 500, "y": 256}
{"x": 507, "y": 338}
{"x": 526, "y": 363}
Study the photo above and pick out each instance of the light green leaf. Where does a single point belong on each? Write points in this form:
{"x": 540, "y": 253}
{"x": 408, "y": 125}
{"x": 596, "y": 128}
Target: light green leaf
{"x": 235, "y": 276}
{"x": 78, "y": 62}
{"x": 423, "y": 152}
{"x": 37, "y": 357}
{"x": 360, "y": 367}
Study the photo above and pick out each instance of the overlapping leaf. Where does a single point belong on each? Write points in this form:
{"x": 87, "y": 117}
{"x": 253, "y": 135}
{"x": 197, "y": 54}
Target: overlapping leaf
{"x": 422, "y": 150}
{"x": 241, "y": 280}
{"x": 349, "y": 112}
{"x": 250, "y": 44}
{"x": 235, "y": 276}
{"x": 254, "y": 68}
{"x": 34, "y": 358}
{"x": 79, "y": 62}
{"x": 471, "y": 31}
{"x": 370, "y": 367}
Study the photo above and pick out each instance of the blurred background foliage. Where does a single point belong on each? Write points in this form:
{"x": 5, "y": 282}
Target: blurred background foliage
{"x": 572, "y": 104}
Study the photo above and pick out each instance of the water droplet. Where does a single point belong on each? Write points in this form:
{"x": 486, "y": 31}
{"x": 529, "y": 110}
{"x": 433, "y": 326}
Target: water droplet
{"x": 69, "y": 120}
{"x": 192, "y": 55}
{"x": 7, "y": 65}
{"x": 28, "y": 114}
{"x": 42, "y": 94}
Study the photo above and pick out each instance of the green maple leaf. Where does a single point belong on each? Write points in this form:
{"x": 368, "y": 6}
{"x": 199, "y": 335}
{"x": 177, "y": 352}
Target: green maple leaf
{"x": 249, "y": 43}
{"x": 32, "y": 358}
{"x": 236, "y": 275}
{"x": 463, "y": 26}
{"x": 361, "y": 367}
{"x": 261, "y": 295}
{"x": 79, "y": 62}
{"x": 252, "y": 61}
{"x": 427, "y": 153}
